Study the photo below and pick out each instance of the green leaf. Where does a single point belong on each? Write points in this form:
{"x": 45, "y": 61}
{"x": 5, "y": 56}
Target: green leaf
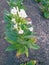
{"x": 12, "y": 35}
{"x": 35, "y": 46}
{"x": 21, "y": 64}
{"x": 44, "y": 2}
{"x": 38, "y": 1}
{"x": 9, "y": 40}
{"x": 21, "y": 50}
{"x": 12, "y": 3}
{"x": 11, "y": 48}
{"x": 30, "y": 36}
{"x": 46, "y": 15}
{"x": 22, "y": 41}
{"x": 26, "y": 51}
{"x": 27, "y": 32}
{"x": 32, "y": 62}
{"x": 29, "y": 45}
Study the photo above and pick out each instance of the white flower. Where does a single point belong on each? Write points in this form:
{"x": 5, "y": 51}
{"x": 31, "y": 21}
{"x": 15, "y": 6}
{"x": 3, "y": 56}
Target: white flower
{"x": 22, "y": 13}
{"x": 15, "y": 26}
{"x": 31, "y": 29}
{"x": 29, "y": 22}
{"x": 13, "y": 20}
{"x": 21, "y": 31}
{"x": 14, "y": 11}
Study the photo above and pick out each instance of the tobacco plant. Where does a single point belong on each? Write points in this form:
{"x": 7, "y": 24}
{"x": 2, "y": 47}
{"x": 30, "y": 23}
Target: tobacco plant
{"x": 19, "y": 31}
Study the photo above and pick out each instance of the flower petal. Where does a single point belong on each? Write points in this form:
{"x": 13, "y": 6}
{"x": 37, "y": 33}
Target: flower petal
{"x": 22, "y": 13}
{"x": 21, "y": 31}
{"x": 13, "y": 20}
{"x": 31, "y": 29}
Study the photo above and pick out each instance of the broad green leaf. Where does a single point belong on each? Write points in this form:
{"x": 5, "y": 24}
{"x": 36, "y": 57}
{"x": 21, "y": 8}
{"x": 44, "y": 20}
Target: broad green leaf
{"x": 9, "y": 40}
{"x": 32, "y": 62}
{"x": 21, "y": 64}
{"x": 20, "y": 51}
{"x": 38, "y": 1}
{"x": 26, "y": 51}
{"x": 7, "y": 18}
{"x": 35, "y": 46}
{"x": 11, "y": 48}
{"x": 30, "y": 36}
{"x": 22, "y": 41}
{"x": 29, "y": 45}
{"x": 12, "y": 3}
{"x": 46, "y": 14}
{"x": 12, "y": 35}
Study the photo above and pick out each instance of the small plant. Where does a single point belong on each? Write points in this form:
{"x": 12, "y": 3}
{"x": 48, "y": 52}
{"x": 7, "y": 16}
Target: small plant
{"x": 32, "y": 62}
{"x": 19, "y": 32}
{"x": 44, "y": 7}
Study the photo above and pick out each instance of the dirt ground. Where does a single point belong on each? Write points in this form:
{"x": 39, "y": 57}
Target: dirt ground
{"x": 41, "y": 28}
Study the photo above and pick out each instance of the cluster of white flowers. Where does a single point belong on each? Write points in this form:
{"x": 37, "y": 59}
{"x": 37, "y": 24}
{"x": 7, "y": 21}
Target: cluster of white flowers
{"x": 14, "y": 10}
{"x": 22, "y": 14}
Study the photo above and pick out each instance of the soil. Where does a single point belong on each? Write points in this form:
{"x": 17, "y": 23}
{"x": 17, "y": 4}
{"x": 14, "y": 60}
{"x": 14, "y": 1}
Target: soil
{"x": 41, "y": 28}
